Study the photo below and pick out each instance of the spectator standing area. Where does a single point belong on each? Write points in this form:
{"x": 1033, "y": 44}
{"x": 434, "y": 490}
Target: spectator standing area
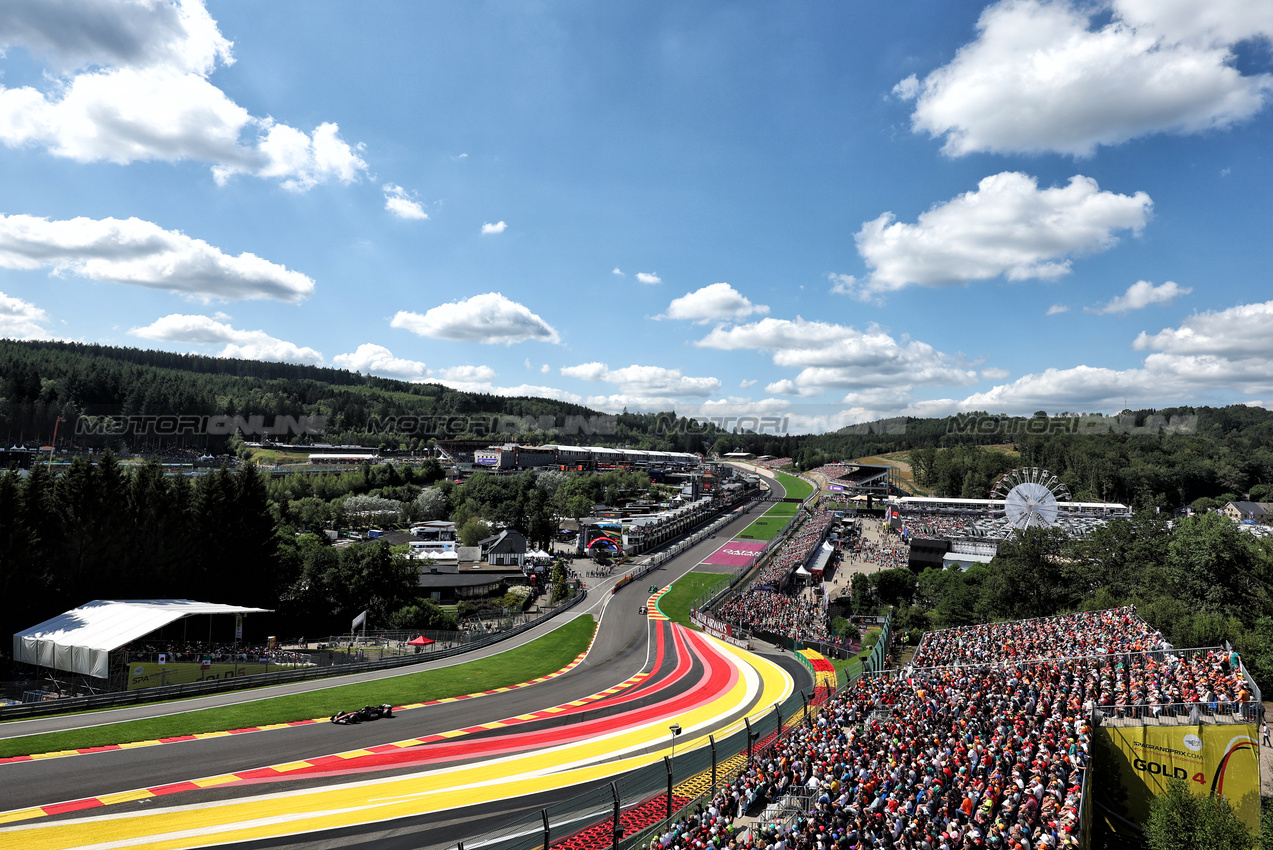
{"x": 991, "y": 745}
{"x": 88, "y": 647}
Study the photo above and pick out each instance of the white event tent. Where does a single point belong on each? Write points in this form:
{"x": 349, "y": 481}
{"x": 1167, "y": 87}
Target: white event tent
{"x": 81, "y": 640}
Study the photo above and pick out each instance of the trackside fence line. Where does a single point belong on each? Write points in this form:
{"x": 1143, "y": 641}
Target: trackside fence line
{"x": 139, "y": 696}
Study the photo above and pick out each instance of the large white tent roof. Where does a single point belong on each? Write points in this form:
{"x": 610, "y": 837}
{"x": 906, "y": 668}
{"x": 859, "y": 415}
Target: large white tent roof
{"x": 81, "y": 640}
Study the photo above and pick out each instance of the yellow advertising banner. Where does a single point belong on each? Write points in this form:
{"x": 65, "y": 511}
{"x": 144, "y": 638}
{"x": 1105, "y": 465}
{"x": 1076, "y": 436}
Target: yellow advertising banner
{"x": 1211, "y": 759}
{"x": 151, "y": 675}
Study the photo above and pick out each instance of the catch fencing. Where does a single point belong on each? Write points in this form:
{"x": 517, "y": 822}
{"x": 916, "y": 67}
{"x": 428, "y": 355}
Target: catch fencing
{"x": 646, "y": 801}
{"x": 651, "y": 796}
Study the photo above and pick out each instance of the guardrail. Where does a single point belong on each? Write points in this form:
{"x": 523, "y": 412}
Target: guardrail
{"x": 140, "y": 696}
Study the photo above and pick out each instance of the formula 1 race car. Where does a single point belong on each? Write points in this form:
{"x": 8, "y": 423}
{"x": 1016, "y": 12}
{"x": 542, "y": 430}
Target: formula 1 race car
{"x": 370, "y": 712}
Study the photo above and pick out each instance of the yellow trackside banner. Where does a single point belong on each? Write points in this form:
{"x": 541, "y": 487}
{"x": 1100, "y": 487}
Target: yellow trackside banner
{"x": 1212, "y": 759}
{"x": 151, "y": 675}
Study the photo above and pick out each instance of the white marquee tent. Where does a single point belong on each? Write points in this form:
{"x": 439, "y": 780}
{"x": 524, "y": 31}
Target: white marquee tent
{"x": 81, "y": 640}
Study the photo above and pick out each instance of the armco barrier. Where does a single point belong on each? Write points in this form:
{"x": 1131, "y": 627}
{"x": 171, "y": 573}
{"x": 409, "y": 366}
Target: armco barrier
{"x": 194, "y": 689}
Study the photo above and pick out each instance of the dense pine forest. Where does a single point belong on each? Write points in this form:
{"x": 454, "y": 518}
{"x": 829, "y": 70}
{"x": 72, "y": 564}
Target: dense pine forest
{"x": 42, "y": 381}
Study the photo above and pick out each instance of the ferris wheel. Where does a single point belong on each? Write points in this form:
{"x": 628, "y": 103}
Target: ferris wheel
{"x": 1030, "y": 497}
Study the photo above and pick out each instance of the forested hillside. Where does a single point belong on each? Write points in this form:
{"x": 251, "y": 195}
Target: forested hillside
{"x": 1147, "y": 458}
{"x": 1230, "y": 454}
{"x": 100, "y": 531}
{"x": 41, "y": 381}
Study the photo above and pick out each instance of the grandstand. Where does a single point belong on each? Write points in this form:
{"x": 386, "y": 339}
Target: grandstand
{"x": 960, "y": 521}
{"x": 861, "y": 479}
{"x": 988, "y": 740}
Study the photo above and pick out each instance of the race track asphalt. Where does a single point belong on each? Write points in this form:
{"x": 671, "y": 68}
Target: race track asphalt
{"x": 621, "y": 650}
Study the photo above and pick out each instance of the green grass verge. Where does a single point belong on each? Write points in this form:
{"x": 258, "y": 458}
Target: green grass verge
{"x": 540, "y": 657}
{"x": 675, "y": 604}
{"x": 771, "y": 522}
{"x": 279, "y": 456}
{"x": 763, "y": 529}
{"x": 846, "y": 668}
{"x": 797, "y": 488}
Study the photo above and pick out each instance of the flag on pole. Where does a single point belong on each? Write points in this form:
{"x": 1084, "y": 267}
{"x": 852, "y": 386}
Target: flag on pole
{"x": 359, "y": 620}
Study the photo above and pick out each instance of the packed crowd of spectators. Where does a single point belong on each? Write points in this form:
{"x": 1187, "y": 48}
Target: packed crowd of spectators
{"x": 953, "y": 524}
{"x": 194, "y": 652}
{"x": 1116, "y": 630}
{"x": 950, "y": 760}
{"x": 936, "y": 525}
{"x": 833, "y": 471}
{"x": 794, "y": 551}
{"x": 989, "y": 754}
{"x": 168, "y": 453}
{"x": 999, "y": 528}
{"x": 890, "y": 553}
{"x": 777, "y": 613}
{"x": 847, "y": 473}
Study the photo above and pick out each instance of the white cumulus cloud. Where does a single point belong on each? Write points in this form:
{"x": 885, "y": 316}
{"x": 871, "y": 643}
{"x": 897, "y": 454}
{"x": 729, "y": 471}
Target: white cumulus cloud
{"x": 21, "y": 319}
{"x": 372, "y": 359}
{"x": 1141, "y": 294}
{"x": 400, "y": 204}
{"x": 129, "y": 82}
{"x": 1057, "y": 309}
{"x": 467, "y": 373}
{"x": 645, "y": 381}
{"x": 1224, "y": 351}
{"x": 240, "y": 344}
{"x": 141, "y": 253}
{"x": 715, "y": 301}
{"x": 649, "y": 277}
{"x": 1008, "y": 226}
{"x": 75, "y": 34}
{"x": 843, "y": 284}
{"x": 488, "y": 318}
{"x": 1045, "y": 76}
{"x": 907, "y": 89}
{"x": 838, "y": 356}
{"x": 518, "y": 391}
{"x": 1241, "y": 331}
{"x": 489, "y": 229}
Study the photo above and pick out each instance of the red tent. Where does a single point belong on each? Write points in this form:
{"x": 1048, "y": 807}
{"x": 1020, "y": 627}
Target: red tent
{"x": 419, "y": 641}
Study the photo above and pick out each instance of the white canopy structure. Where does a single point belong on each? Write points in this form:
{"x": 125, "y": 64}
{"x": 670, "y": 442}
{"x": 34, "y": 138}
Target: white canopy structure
{"x": 81, "y": 640}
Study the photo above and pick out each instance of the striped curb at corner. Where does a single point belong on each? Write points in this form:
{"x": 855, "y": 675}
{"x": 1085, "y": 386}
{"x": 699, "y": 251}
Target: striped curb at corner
{"x": 203, "y": 735}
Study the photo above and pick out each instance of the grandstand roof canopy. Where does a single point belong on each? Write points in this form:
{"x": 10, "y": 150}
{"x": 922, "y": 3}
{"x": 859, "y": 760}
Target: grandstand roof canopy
{"x": 81, "y": 640}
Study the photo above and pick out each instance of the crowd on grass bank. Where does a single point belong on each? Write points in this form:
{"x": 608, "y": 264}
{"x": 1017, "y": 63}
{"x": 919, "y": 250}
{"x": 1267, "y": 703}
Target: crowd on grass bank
{"x": 988, "y": 753}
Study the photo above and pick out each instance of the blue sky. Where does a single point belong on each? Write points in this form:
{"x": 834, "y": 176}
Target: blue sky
{"x": 833, "y": 211}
